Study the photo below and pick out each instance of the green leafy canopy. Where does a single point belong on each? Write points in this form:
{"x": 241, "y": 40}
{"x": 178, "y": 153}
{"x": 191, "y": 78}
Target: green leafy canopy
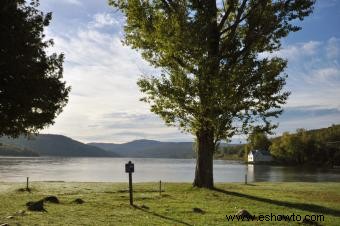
{"x": 212, "y": 54}
{"x": 32, "y": 92}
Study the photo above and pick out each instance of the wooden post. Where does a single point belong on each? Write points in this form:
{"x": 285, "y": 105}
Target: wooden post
{"x": 160, "y": 188}
{"x": 130, "y": 188}
{"x": 130, "y": 168}
{"x": 27, "y": 188}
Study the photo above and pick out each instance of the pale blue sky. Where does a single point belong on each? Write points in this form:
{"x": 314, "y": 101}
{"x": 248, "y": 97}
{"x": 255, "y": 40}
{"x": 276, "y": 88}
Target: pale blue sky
{"x": 104, "y": 104}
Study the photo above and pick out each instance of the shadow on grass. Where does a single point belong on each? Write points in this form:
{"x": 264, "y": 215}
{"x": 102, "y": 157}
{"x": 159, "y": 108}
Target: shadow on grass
{"x": 162, "y": 216}
{"x": 302, "y": 206}
{"x": 139, "y": 191}
{"x": 24, "y": 190}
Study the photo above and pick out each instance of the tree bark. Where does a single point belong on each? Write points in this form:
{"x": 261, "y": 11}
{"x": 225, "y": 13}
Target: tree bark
{"x": 207, "y": 13}
{"x": 204, "y": 160}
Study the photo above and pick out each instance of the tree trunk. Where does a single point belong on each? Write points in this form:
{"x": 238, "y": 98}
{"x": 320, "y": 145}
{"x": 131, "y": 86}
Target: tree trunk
{"x": 207, "y": 13}
{"x": 204, "y": 160}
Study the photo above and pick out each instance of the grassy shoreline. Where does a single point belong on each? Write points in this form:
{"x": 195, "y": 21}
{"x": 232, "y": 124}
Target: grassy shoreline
{"x": 107, "y": 203}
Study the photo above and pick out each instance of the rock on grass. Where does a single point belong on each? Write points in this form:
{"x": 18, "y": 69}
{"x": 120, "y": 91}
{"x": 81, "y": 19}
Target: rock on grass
{"x": 244, "y": 213}
{"x": 78, "y": 201}
{"x": 52, "y": 199}
{"x": 309, "y": 222}
{"x": 36, "y": 206}
{"x": 24, "y": 189}
{"x": 20, "y": 213}
{"x": 198, "y": 210}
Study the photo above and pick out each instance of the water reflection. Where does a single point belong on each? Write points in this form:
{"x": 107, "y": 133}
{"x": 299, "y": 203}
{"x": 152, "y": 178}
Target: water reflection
{"x": 171, "y": 170}
{"x": 260, "y": 173}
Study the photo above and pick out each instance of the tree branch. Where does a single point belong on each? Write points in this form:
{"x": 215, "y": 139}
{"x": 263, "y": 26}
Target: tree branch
{"x": 238, "y": 19}
{"x": 167, "y": 5}
{"x": 248, "y": 37}
{"x": 226, "y": 15}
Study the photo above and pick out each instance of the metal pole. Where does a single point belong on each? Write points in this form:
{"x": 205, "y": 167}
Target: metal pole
{"x": 27, "y": 183}
{"x": 160, "y": 188}
{"x": 130, "y": 188}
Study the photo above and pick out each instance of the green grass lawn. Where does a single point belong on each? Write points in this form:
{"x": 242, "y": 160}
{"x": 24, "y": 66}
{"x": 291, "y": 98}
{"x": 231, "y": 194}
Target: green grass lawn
{"x": 108, "y": 203}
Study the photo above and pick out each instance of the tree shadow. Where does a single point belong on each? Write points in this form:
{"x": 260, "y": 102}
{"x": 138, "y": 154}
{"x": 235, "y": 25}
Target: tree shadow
{"x": 162, "y": 216}
{"x": 302, "y": 206}
{"x": 24, "y": 190}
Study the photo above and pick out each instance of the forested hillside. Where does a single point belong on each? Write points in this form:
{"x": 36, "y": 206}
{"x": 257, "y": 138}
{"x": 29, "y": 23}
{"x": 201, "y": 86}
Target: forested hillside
{"x": 321, "y": 146}
{"x": 150, "y": 149}
{"x": 57, "y": 145}
{"x": 10, "y": 150}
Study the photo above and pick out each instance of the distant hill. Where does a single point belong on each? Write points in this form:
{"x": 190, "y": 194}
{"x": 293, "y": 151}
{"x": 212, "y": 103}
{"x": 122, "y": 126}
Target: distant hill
{"x": 149, "y": 149}
{"x": 57, "y": 145}
{"x": 10, "y": 150}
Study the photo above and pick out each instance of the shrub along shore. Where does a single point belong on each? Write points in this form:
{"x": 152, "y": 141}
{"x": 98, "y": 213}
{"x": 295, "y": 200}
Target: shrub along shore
{"x": 178, "y": 203}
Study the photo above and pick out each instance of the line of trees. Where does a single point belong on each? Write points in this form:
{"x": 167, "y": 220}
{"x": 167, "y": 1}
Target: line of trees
{"x": 11, "y": 150}
{"x": 232, "y": 152}
{"x": 319, "y": 146}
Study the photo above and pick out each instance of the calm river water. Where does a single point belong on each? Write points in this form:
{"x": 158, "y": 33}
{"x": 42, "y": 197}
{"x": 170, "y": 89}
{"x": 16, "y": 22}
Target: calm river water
{"x": 169, "y": 170}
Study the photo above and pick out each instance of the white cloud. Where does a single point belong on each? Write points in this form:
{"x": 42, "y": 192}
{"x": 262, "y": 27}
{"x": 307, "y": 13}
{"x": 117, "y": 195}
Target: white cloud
{"x": 103, "y": 20}
{"x": 103, "y": 75}
{"x": 310, "y": 47}
{"x": 326, "y": 74}
{"x": 72, "y": 2}
{"x": 296, "y": 51}
{"x": 309, "y": 122}
{"x": 314, "y": 78}
{"x": 333, "y": 48}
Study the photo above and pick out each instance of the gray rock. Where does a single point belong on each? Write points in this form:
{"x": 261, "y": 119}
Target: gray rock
{"x": 20, "y": 213}
{"x": 52, "y": 199}
{"x": 244, "y": 213}
{"x": 36, "y": 206}
{"x": 78, "y": 201}
{"x": 198, "y": 210}
{"x": 309, "y": 222}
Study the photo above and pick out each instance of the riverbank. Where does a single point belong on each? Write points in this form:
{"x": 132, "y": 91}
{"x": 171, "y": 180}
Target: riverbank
{"x": 229, "y": 157}
{"x": 108, "y": 203}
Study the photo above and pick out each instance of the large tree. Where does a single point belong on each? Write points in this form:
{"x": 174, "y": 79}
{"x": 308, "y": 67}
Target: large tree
{"x": 216, "y": 80}
{"x": 32, "y": 92}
